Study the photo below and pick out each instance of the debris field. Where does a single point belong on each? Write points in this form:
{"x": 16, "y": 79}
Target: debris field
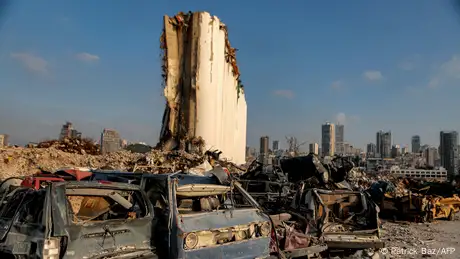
{"x": 53, "y": 155}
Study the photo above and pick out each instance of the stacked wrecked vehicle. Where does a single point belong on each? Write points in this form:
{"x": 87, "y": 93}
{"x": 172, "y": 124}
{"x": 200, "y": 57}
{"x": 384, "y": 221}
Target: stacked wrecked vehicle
{"x": 340, "y": 205}
{"x": 314, "y": 204}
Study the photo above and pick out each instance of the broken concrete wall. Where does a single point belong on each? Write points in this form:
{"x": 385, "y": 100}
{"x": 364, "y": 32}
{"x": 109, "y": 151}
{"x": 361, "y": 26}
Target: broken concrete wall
{"x": 202, "y": 86}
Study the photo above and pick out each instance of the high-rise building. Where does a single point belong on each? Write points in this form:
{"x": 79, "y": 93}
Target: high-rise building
{"x": 314, "y": 148}
{"x": 67, "y": 131}
{"x": 448, "y": 150}
{"x": 415, "y": 144}
{"x": 431, "y": 155}
{"x": 4, "y": 140}
{"x": 371, "y": 150}
{"x": 264, "y": 146}
{"x": 275, "y": 145}
{"x": 383, "y": 141}
{"x": 264, "y": 140}
{"x": 395, "y": 151}
{"x": 339, "y": 139}
{"x": 328, "y": 139}
{"x": 110, "y": 141}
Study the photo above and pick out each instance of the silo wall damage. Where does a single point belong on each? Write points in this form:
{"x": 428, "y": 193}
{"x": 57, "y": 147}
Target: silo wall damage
{"x": 204, "y": 96}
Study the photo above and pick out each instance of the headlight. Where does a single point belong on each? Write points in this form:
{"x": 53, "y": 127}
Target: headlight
{"x": 265, "y": 229}
{"x": 191, "y": 240}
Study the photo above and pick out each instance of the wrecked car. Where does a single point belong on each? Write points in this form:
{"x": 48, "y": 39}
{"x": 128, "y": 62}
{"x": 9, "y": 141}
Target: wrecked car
{"x": 331, "y": 175}
{"x": 77, "y": 220}
{"x": 440, "y": 207}
{"x": 421, "y": 208}
{"x": 269, "y": 186}
{"x": 343, "y": 219}
{"x": 199, "y": 217}
{"x": 422, "y": 202}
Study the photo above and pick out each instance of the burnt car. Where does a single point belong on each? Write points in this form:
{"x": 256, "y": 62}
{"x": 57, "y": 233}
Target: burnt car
{"x": 199, "y": 217}
{"x": 343, "y": 219}
{"x": 77, "y": 220}
{"x": 421, "y": 201}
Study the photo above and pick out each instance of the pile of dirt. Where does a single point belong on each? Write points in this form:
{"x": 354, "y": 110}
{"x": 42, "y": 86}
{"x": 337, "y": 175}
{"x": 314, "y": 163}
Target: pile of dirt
{"x": 27, "y": 161}
{"x": 73, "y": 145}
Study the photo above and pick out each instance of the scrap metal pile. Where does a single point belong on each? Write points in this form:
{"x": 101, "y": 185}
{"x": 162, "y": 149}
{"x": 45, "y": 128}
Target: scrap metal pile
{"x": 316, "y": 201}
{"x": 330, "y": 200}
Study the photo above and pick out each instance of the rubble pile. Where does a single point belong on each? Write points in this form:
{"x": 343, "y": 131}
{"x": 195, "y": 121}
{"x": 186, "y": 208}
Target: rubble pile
{"x": 361, "y": 180}
{"x": 171, "y": 161}
{"x": 73, "y": 145}
{"x": 26, "y": 161}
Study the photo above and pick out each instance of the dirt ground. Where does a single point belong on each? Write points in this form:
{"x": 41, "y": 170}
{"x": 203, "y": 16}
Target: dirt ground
{"x": 440, "y": 239}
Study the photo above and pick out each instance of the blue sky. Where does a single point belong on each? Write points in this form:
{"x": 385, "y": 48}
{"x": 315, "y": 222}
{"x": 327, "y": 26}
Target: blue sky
{"x": 392, "y": 65}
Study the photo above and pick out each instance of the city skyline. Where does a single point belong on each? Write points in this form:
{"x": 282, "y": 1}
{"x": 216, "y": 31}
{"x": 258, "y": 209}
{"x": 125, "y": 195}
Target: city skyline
{"x": 363, "y": 82}
{"x": 72, "y": 132}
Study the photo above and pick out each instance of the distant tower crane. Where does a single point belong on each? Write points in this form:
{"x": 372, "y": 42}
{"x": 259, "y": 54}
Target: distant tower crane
{"x": 293, "y": 149}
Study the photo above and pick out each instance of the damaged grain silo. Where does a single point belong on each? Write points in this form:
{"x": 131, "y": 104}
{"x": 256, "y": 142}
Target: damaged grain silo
{"x": 204, "y": 96}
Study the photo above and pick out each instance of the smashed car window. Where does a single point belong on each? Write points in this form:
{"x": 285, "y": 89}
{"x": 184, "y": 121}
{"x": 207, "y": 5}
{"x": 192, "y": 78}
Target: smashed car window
{"x": 104, "y": 204}
{"x": 157, "y": 193}
{"x": 196, "y": 198}
{"x": 31, "y": 211}
{"x": 9, "y": 210}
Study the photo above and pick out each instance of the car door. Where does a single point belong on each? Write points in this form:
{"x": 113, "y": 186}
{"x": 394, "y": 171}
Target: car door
{"x": 7, "y": 215}
{"x": 28, "y": 231}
